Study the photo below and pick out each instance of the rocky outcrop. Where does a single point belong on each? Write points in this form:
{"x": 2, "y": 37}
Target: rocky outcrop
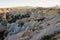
{"x": 30, "y": 24}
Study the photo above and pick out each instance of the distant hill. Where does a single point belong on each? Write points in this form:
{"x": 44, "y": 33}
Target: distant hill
{"x": 28, "y": 8}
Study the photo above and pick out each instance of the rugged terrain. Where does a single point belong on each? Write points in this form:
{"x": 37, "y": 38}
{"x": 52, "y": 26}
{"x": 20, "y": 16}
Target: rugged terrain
{"x": 30, "y": 24}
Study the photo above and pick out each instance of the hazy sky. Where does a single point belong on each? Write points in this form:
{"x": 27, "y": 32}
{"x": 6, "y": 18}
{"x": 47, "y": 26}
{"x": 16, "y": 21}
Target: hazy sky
{"x": 43, "y": 3}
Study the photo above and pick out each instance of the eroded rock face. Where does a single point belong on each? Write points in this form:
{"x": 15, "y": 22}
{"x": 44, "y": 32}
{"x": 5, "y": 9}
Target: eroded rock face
{"x": 30, "y": 24}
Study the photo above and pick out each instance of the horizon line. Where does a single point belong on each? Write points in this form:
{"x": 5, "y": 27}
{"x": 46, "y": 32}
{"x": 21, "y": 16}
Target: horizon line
{"x": 30, "y": 6}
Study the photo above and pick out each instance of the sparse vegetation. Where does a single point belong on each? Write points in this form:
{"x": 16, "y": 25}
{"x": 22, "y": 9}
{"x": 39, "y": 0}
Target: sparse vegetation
{"x": 51, "y": 37}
